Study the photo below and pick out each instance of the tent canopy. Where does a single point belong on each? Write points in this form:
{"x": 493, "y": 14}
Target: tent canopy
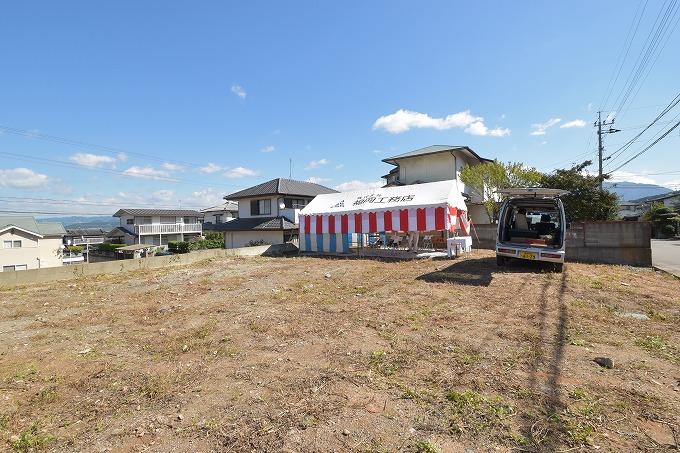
{"x": 418, "y": 207}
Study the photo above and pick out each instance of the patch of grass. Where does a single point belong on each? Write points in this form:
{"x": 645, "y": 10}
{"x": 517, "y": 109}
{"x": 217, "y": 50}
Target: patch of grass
{"x": 473, "y": 412}
{"x": 31, "y": 439}
{"x": 578, "y": 394}
{"x": 382, "y": 363}
{"x": 658, "y": 346}
{"x": 424, "y": 446}
{"x": 155, "y": 387}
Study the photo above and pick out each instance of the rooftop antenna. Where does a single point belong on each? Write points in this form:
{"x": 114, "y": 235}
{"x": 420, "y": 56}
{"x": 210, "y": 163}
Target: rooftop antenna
{"x": 290, "y": 166}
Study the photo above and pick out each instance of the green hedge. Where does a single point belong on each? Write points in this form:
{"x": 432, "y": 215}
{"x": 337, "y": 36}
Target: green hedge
{"x": 201, "y": 244}
{"x": 109, "y": 247}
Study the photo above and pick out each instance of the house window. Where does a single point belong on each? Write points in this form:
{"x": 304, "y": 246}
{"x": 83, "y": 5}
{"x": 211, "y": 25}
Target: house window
{"x": 218, "y": 218}
{"x": 143, "y": 220}
{"x": 11, "y": 244}
{"x": 8, "y": 268}
{"x": 188, "y": 220}
{"x": 261, "y": 207}
{"x": 130, "y": 221}
{"x": 18, "y": 267}
{"x": 167, "y": 220}
{"x": 295, "y": 203}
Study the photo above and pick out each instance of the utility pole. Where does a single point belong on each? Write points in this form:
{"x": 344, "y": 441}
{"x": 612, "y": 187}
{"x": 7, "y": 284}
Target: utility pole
{"x": 600, "y": 148}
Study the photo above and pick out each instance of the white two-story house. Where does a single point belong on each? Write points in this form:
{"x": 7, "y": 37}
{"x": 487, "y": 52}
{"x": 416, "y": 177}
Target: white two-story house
{"x": 437, "y": 163}
{"x": 156, "y": 226}
{"x": 29, "y": 245}
{"x": 268, "y": 212}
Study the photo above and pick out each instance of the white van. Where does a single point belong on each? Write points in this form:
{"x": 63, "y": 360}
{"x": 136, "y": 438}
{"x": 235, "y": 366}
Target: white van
{"x": 532, "y": 226}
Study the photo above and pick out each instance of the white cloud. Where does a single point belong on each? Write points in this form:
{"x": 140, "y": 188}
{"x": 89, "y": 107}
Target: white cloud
{"x": 340, "y": 166}
{"x": 575, "y": 123}
{"x": 478, "y": 128}
{"x": 268, "y": 149}
{"x": 619, "y": 176}
{"x": 240, "y": 172}
{"x": 238, "y": 91}
{"x": 163, "y": 195}
{"x": 404, "y": 120}
{"x": 316, "y": 164}
{"x": 210, "y": 168}
{"x": 145, "y": 173}
{"x": 122, "y": 157}
{"x": 204, "y": 198}
{"x": 589, "y": 107}
{"x": 357, "y": 185}
{"x": 93, "y": 160}
{"x": 318, "y": 180}
{"x": 540, "y": 128}
{"x": 172, "y": 167}
{"x": 23, "y": 178}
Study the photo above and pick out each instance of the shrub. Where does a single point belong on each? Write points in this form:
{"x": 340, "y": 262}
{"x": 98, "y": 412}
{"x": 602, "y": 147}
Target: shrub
{"x": 203, "y": 244}
{"x": 109, "y": 247}
{"x": 75, "y": 248}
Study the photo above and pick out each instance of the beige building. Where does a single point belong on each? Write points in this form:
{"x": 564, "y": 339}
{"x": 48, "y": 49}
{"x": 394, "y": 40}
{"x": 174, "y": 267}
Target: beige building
{"x": 437, "y": 163}
{"x": 30, "y": 245}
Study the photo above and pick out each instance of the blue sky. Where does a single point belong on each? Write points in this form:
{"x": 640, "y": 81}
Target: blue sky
{"x": 106, "y": 105}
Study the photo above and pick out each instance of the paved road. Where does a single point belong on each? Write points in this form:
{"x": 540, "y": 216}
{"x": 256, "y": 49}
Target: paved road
{"x": 666, "y": 255}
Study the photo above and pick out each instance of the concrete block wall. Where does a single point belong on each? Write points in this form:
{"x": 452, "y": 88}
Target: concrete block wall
{"x": 71, "y": 272}
{"x": 610, "y": 242}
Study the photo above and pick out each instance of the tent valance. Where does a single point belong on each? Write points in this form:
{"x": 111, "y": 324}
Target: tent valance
{"x": 418, "y": 207}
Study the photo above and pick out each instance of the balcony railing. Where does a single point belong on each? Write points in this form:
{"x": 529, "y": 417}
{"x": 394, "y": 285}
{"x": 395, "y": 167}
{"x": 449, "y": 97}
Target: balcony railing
{"x": 84, "y": 241}
{"x": 169, "y": 228}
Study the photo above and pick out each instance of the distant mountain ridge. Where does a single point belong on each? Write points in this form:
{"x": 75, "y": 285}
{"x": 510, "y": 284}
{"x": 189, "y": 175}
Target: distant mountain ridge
{"x": 73, "y": 222}
{"x": 631, "y": 191}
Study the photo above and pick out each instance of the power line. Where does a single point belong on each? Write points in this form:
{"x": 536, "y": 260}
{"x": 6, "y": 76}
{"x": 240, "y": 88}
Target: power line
{"x": 668, "y": 108}
{"x": 647, "y": 148}
{"x": 81, "y": 144}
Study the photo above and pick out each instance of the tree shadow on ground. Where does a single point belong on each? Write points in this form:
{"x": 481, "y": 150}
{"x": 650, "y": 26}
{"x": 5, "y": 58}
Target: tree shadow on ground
{"x": 470, "y": 272}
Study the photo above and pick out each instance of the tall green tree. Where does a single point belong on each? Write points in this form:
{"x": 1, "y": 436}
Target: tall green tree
{"x": 485, "y": 179}
{"x": 585, "y": 200}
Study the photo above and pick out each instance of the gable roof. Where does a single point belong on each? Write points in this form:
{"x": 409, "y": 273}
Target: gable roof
{"x": 151, "y": 212}
{"x": 228, "y": 205}
{"x": 29, "y": 225}
{"x": 254, "y": 223}
{"x": 435, "y": 149}
{"x": 282, "y": 186}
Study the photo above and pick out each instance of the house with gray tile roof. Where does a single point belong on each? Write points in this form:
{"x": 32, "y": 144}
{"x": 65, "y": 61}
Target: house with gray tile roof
{"x": 222, "y": 213}
{"x": 156, "y": 226}
{"x": 436, "y": 163}
{"x": 27, "y": 244}
{"x": 268, "y": 212}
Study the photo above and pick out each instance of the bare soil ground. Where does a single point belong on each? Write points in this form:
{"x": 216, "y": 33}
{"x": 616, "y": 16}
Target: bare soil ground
{"x": 311, "y": 354}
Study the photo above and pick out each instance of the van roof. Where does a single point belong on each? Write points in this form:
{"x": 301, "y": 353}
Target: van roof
{"x": 536, "y": 192}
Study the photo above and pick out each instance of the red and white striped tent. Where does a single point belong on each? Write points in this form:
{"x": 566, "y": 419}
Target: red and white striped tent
{"x": 435, "y": 206}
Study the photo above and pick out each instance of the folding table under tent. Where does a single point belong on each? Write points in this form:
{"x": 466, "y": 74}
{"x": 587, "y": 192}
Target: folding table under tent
{"x": 331, "y": 222}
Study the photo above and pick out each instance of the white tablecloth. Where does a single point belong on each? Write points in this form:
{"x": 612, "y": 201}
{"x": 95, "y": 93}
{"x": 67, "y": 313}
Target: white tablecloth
{"x": 459, "y": 243}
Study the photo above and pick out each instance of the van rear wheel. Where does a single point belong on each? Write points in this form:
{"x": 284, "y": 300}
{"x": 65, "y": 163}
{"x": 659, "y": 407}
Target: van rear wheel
{"x": 501, "y": 260}
{"x": 559, "y": 267}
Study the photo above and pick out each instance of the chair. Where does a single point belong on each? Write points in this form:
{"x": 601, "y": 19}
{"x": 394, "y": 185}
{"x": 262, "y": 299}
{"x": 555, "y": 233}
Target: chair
{"x": 545, "y": 226}
{"x": 427, "y": 242}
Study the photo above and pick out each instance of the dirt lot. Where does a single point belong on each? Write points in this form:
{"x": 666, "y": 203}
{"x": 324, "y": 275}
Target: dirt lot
{"x": 315, "y": 354}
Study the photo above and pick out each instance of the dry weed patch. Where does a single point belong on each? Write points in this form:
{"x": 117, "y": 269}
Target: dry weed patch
{"x": 329, "y": 354}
